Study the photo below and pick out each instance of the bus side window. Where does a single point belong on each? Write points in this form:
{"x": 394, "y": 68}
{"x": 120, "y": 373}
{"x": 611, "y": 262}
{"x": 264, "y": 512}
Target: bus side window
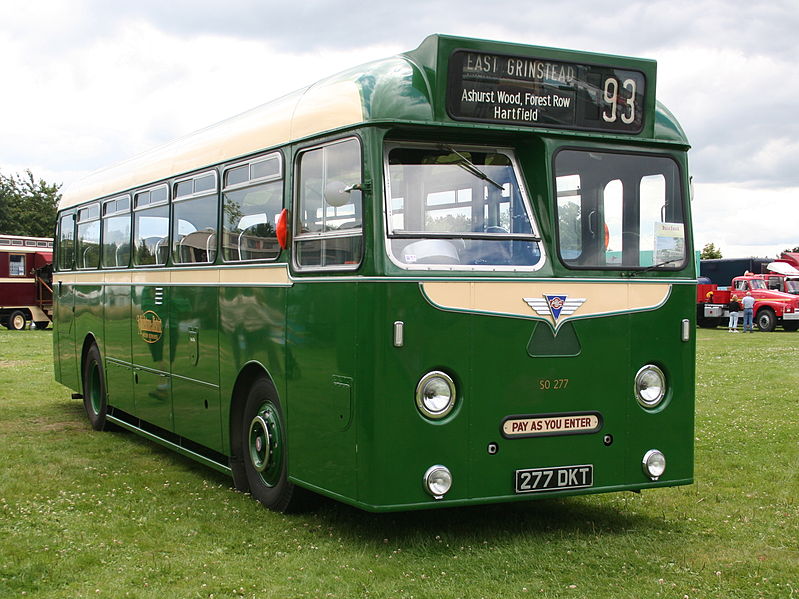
{"x": 252, "y": 201}
{"x": 151, "y": 226}
{"x": 88, "y": 238}
{"x": 66, "y": 242}
{"x": 328, "y": 224}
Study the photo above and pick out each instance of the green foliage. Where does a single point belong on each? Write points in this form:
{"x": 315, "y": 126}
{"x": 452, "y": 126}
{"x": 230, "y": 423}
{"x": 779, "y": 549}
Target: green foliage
{"x": 794, "y": 250}
{"x": 89, "y": 514}
{"x": 28, "y": 206}
{"x": 710, "y": 252}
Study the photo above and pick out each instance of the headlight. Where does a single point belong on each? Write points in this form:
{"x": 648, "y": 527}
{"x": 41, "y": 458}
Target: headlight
{"x": 654, "y": 464}
{"x": 650, "y": 386}
{"x": 437, "y": 481}
{"x": 435, "y": 394}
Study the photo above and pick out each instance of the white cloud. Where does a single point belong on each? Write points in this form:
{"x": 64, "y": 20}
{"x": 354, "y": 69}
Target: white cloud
{"x": 743, "y": 221}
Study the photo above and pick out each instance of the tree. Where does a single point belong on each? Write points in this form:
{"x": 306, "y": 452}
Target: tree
{"x": 794, "y": 250}
{"x": 28, "y": 206}
{"x": 710, "y": 251}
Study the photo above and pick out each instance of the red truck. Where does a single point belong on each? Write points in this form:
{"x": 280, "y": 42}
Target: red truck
{"x": 783, "y": 274}
{"x": 26, "y": 293}
{"x": 772, "y": 307}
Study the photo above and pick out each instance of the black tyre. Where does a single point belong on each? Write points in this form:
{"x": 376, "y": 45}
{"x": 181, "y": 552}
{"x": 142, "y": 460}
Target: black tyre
{"x": 766, "y": 320}
{"x": 94, "y": 397}
{"x": 708, "y": 323}
{"x": 16, "y": 320}
{"x": 263, "y": 447}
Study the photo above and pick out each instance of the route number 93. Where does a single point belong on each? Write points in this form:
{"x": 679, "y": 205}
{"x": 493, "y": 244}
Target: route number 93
{"x": 611, "y": 97}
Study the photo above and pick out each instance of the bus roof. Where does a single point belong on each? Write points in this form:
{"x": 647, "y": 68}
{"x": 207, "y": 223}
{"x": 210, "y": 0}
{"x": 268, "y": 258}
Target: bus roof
{"x": 410, "y": 87}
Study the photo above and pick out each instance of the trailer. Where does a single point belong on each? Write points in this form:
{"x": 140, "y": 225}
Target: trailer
{"x": 26, "y": 293}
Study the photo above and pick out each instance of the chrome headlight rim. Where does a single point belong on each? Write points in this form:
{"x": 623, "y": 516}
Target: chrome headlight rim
{"x": 422, "y": 399}
{"x": 428, "y": 481}
{"x": 648, "y": 464}
{"x": 650, "y": 404}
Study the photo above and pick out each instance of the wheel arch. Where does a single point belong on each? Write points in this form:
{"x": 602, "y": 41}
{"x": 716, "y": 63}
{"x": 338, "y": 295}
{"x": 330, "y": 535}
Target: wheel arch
{"x": 88, "y": 341}
{"x": 238, "y": 398}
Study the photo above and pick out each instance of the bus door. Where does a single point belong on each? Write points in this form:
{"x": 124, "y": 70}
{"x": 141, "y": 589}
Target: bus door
{"x": 322, "y": 317}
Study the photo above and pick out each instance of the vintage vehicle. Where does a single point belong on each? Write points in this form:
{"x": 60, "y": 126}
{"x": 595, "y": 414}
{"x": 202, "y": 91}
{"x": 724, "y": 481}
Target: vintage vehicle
{"x": 783, "y": 274}
{"x": 460, "y": 275}
{"x": 772, "y": 307}
{"x": 25, "y": 281}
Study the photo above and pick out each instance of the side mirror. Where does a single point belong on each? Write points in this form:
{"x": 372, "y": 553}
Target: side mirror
{"x": 338, "y": 194}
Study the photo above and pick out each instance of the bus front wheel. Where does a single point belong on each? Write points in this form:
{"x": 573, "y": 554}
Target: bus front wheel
{"x": 263, "y": 448}
{"x": 94, "y": 397}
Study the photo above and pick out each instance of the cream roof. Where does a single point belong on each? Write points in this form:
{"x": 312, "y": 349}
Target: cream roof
{"x": 321, "y": 107}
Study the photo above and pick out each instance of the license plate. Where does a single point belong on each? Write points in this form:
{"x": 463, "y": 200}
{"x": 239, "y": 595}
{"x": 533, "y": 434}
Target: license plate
{"x": 533, "y": 480}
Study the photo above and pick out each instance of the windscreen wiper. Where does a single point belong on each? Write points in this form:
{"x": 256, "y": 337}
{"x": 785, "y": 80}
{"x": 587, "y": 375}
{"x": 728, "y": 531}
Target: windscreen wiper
{"x": 654, "y": 266}
{"x": 469, "y": 166}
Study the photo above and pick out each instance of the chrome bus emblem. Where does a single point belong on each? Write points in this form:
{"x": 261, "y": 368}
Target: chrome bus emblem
{"x": 554, "y": 305}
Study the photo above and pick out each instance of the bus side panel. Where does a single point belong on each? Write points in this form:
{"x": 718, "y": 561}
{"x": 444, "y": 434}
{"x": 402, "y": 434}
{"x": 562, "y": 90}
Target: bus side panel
{"x": 119, "y": 374}
{"x": 252, "y": 328}
{"x": 152, "y": 390}
{"x": 656, "y": 339}
{"x": 64, "y": 335}
{"x": 398, "y": 444}
{"x": 88, "y": 317}
{"x": 322, "y": 386}
{"x": 194, "y": 339}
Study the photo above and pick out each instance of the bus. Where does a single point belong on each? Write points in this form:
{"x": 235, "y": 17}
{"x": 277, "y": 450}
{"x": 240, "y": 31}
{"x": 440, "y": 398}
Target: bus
{"x": 26, "y": 295}
{"x": 459, "y": 275}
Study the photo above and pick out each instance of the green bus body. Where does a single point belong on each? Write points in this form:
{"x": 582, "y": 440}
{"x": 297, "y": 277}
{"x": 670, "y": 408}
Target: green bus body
{"x": 181, "y": 344}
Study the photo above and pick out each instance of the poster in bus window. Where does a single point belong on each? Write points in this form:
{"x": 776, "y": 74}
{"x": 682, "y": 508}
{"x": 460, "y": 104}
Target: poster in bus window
{"x": 669, "y": 242}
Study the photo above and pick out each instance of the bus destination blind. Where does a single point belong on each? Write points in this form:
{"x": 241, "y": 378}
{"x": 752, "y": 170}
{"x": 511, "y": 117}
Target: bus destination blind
{"x": 496, "y": 88}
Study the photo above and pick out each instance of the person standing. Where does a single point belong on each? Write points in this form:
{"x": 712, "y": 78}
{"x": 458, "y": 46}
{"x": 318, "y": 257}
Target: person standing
{"x": 749, "y": 311}
{"x": 734, "y": 307}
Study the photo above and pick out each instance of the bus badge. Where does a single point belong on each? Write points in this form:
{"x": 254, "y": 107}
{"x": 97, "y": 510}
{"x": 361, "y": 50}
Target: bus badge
{"x": 554, "y": 305}
{"x": 150, "y": 326}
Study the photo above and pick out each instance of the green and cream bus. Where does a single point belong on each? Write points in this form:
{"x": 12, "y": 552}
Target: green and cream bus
{"x": 459, "y": 275}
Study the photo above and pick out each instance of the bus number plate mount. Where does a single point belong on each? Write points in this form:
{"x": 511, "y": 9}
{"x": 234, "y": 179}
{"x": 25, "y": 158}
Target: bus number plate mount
{"x": 533, "y": 480}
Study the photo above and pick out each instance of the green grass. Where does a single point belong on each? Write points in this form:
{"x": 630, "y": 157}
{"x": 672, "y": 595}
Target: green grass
{"x": 85, "y": 514}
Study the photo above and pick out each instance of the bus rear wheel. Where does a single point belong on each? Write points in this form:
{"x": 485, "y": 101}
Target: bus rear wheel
{"x": 94, "y": 397}
{"x": 263, "y": 448}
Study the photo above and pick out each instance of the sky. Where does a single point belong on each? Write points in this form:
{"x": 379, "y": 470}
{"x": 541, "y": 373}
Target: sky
{"x": 87, "y": 83}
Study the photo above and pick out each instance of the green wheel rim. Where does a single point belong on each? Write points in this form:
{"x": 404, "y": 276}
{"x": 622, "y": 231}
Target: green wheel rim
{"x": 266, "y": 444}
{"x": 95, "y": 391}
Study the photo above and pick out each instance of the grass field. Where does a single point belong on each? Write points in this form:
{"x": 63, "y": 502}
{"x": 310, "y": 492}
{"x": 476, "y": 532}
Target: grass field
{"x": 85, "y": 514}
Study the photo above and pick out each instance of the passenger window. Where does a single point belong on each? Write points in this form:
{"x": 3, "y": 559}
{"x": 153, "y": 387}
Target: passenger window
{"x": 151, "y": 227}
{"x": 87, "y": 247}
{"x": 116, "y": 232}
{"x": 252, "y": 202}
{"x": 66, "y": 242}
{"x": 328, "y": 221}
{"x": 194, "y": 220}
